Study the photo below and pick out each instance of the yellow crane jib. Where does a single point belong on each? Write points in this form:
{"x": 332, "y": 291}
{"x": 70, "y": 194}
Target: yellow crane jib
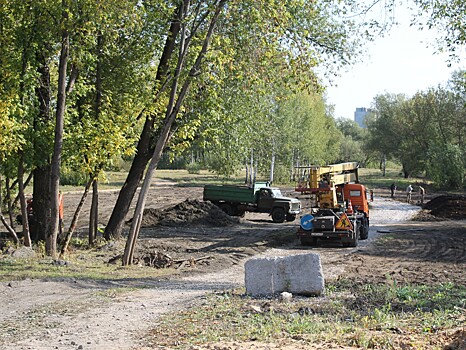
{"x": 313, "y": 178}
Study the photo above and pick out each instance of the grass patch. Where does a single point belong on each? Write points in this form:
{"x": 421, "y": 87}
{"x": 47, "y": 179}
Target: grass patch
{"x": 373, "y": 178}
{"x": 385, "y": 316}
{"x": 116, "y": 179}
{"x": 81, "y": 263}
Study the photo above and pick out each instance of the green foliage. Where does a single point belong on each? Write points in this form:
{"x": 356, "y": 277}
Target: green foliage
{"x": 353, "y": 144}
{"x": 424, "y": 133}
{"x": 259, "y": 94}
{"x": 194, "y": 168}
{"x": 447, "y": 17}
{"x": 69, "y": 177}
{"x": 293, "y": 127}
{"x": 447, "y": 166}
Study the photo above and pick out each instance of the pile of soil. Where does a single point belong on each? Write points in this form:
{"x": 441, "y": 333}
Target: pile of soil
{"x": 188, "y": 213}
{"x": 447, "y": 206}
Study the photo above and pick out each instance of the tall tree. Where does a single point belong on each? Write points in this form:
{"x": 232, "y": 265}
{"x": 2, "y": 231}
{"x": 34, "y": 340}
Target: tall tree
{"x": 178, "y": 91}
{"x": 52, "y": 234}
{"x": 145, "y": 148}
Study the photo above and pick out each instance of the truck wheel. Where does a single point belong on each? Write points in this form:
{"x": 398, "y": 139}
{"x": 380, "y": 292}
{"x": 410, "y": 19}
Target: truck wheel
{"x": 364, "y": 229}
{"x": 278, "y": 215}
{"x": 290, "y": 217}
{"x": 240, "y": 213}
{"x": 354, "y": 242}
{"x": 227, "y": 209}
{"x": 309, "y": 241}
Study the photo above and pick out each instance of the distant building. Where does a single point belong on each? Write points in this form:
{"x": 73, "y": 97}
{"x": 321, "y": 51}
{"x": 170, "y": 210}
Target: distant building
{"x": 360, "y": 116}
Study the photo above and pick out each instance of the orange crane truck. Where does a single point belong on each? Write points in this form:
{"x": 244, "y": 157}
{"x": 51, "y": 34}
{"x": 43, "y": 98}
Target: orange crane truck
{"x": 341, "y": 210}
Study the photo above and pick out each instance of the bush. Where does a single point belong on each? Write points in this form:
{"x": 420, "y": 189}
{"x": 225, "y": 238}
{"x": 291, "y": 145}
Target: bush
{"x": 69, "y": 177}
{"x": 193, "y": 168}
{"x": 281, "y": 174}
{"x": 446, "y": 166}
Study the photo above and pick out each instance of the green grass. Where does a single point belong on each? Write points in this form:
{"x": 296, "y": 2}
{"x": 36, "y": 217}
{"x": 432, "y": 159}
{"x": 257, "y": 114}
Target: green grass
{"x": 82, "y": 263}
{"x": 373, "y": 178}
{"x": 386, "y": 316}
{"x": 116, "y": 179}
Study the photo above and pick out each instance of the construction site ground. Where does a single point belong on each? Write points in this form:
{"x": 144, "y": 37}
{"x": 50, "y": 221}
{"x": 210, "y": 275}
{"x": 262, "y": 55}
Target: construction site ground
{"x": 204, "y": 251}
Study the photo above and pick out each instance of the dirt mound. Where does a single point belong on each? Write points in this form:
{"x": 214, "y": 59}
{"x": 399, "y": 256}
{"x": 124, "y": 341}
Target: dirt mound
{"x": 450, "y": 207}
{"x": 425, "y": 215}
{"x": 188, "y": 213}
{"x": 459, "y": 341}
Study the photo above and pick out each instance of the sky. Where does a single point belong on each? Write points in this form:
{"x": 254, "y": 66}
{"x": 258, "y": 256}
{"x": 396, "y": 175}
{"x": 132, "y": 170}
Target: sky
{"x": 400, "y": 62}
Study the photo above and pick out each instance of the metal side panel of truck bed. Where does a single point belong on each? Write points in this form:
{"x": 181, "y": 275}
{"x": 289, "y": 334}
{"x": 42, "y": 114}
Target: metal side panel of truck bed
{"x": 226, "y": 193}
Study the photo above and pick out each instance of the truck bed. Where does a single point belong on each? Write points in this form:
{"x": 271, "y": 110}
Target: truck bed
{"x": 229, "y": 193}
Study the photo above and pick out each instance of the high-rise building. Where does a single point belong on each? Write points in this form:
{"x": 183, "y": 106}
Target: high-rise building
{"x": 360, "y": 116}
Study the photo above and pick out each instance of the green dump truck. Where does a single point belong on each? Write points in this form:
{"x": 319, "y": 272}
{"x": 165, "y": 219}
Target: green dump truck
{"x": 236, "y": 200}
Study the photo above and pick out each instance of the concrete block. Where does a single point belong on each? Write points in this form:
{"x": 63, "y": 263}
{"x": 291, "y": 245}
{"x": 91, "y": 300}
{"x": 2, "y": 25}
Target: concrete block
{"x": 297, "y": 274}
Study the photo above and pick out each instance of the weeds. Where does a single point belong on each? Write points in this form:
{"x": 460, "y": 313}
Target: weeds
{"x": 370, "y": 316}
{"x": 82, "y": 262}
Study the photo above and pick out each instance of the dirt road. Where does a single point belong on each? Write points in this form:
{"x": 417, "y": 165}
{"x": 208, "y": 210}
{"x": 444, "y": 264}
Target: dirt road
{"x": 77, "y": 314}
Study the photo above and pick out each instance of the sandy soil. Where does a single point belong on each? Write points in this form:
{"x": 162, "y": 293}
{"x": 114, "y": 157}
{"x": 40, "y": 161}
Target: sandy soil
{"x": 80, "y": 314}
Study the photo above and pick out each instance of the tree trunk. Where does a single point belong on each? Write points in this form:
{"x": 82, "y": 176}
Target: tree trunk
{"x": 52, "y": 234}
{"x": 41, "y": 174}
{"x": 292, "y": 172}
{"x": 251, "y": 167}
{"x": 272, "y": 168}
{"x": 9, "y": 204}
{"x": 405, "y": 172}
{"x": 22, "y": 199}
{"x": 144, "y": 150}
{"x": 74, "y": 221}
{"x": 94, "y": 213}
{"x": 172, "y": 111}
{"x": 384, "y": 166}
{"x": 93, "y": 217}
{"x": 26, "y": 183}
{"x": 41, "y": 203}
{"x": 9, "y": 228}
{"x": 125, "y": 197}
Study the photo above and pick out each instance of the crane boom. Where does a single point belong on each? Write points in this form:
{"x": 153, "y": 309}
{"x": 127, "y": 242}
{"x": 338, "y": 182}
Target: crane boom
{"x": 314, "y": 178}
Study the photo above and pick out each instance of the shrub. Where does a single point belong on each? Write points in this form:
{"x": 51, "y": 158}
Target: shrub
{"x": 193, "y": 168}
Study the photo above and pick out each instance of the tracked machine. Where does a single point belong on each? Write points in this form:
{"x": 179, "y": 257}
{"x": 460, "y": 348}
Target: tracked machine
{"x": 341, "y": 209}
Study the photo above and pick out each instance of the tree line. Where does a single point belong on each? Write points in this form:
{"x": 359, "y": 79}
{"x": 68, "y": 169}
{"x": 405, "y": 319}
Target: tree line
{"x": 425, "y": 132}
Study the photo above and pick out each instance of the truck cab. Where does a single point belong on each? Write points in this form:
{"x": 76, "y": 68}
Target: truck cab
{"x": 265, "y": 198}
{"x": 357, "y": 193}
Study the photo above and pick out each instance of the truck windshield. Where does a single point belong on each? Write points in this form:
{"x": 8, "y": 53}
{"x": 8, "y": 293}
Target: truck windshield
{"x": 276, "y": 193}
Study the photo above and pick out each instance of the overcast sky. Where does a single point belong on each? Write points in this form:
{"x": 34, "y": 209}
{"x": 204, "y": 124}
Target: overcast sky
{"x": 401, "y": 62}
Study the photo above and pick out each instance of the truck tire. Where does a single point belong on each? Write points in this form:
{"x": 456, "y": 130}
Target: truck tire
{"x": 278, "y": 215}
{"x": 364, "y": 229}
{"x": 290, "y": 217}
{"x": 240, "y": 213}
{"x": 227, "y": 208}
{"x": 309, "y": 241}
{"x": 354, "y": 242}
